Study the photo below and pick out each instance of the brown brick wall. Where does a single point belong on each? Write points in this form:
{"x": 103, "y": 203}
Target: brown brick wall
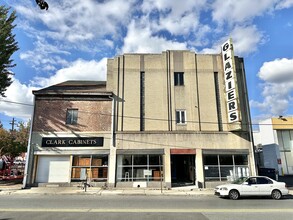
{"x": 50, "y": 116}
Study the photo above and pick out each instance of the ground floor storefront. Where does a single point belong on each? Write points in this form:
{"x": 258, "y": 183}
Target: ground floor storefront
{"x": 143, "y": 168}
{"x": 141, "y": 160}
{"x": 71, "y": 168}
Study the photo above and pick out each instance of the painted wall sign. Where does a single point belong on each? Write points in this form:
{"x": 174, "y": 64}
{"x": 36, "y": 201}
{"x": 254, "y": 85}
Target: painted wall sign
{"x": 72, "y": 142}
{"x": 230, "y": 82}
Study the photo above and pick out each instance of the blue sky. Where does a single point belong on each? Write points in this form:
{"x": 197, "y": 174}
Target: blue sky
{"x": 74, "y": 38}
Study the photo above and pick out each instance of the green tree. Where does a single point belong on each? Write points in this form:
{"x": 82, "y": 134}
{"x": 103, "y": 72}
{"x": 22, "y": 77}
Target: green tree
{"x": 8, "y": 46}
{"x": 5, "y": 140}
{"x": 12, "y": 143}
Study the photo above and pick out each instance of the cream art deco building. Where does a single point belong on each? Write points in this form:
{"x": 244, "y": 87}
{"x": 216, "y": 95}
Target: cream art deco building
{"x": 175, "y": 118}
{"x": 180, "y": 118}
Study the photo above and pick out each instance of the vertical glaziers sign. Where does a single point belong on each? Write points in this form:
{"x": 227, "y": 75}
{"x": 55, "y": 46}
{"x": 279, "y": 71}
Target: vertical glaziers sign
{"x": 230, "y": 82}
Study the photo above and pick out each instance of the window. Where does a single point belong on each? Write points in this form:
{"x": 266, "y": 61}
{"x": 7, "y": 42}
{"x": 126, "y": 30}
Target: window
{"x": 180, "y": 117}
{"x": 95, "y": 167}
{"x": 262, "y": 180}
{"x": 143, "y": 167}
{"x": 225, "y": 166}
{"x": 252, "y": 181}
{"x": 71, "y": 116}
{"x": 178, "y": 79}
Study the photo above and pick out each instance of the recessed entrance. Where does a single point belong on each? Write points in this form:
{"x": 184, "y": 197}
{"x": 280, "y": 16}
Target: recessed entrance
{"x": 183, "y": 170}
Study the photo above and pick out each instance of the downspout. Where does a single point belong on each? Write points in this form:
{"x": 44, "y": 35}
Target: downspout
{"x": 249, "y": 122}
{"x": 28, "y": 156}
{"x": 113, "y": 167}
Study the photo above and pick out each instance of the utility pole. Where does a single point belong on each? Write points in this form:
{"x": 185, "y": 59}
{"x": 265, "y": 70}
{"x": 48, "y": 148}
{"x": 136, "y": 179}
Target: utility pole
{"x": 12, "y": 124}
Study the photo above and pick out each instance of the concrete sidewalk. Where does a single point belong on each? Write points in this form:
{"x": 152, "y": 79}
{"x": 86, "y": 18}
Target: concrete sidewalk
{"x": 74, "y": 190}
{"x": 53, "y": 190}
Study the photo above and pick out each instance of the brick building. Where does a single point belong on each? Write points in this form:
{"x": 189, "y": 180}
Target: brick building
{"x": 71, "y": 134}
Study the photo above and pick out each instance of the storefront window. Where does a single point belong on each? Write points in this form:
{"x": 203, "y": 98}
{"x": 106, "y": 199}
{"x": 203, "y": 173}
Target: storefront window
{"x": 226, "y": 159}
{"x": 95, "y": 167}
{"x": 285, "y": 139}
{"x": 240, "y": 160}
{"x": 140, "y": 159}
{"x": 225, "y": 167}
{"x": 139, "y": 168}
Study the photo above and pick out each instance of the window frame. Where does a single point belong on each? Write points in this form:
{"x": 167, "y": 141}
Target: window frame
{"x": 182, "y": 117}
{"x": 71, "y": 116}
{"x": 136, "y": 170}
{"x": 218, "y": 172}
{"x": 178, "y": 78}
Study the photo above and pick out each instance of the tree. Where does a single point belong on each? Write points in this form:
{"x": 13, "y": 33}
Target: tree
{"x": 14, "y": 142}
{"x": 8, "y": 46}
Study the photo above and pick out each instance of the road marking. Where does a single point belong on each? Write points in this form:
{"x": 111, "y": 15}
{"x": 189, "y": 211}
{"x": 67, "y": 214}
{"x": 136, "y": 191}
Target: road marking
{"x": 149, "y": 210}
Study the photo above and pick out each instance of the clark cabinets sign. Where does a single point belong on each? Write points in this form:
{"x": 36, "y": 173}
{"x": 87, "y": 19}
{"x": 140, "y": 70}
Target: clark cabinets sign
{"x": 72, "y": 142}
{"x": 230, "y": 82}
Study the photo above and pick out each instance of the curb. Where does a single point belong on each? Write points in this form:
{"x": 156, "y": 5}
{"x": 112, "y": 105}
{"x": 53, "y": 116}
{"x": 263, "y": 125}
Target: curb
{"x": 108, "y": 192}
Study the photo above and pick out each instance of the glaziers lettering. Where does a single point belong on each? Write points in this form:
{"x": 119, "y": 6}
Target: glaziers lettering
{"x": 230, "y": 83}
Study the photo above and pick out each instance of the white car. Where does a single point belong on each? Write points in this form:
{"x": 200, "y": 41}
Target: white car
{"x": 252, "y": 186}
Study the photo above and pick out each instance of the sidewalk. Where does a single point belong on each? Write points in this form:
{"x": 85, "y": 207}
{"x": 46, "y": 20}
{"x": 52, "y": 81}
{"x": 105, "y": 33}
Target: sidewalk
{"x": 57, "y": 190}
{"x": 54, "y": 190}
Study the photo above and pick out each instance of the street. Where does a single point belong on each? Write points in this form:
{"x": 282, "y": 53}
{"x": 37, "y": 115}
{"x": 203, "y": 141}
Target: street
{"x": 202, "y": 207}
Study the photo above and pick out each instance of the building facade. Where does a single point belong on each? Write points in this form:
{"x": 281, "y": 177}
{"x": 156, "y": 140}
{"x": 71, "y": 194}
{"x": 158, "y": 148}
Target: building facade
{"x": 276, "y": 140}
{"x": 71, "y": 134}
{"x": 180, "y": 118}
{"x": 175, "y": 118}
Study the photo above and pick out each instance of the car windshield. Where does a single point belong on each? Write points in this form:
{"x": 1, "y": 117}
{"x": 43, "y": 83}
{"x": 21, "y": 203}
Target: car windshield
{"x": 239, "y": 180}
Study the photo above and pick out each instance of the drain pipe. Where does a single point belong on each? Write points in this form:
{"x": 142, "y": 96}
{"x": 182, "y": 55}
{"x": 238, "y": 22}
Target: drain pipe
{"x": 28, "y": 154}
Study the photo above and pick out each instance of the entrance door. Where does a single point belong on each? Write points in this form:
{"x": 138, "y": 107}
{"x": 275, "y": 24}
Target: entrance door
{"x": 182, "y": 170}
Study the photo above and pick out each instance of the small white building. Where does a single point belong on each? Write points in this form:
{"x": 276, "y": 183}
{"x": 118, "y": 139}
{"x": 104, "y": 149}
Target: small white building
{"x": 276, "y": 138}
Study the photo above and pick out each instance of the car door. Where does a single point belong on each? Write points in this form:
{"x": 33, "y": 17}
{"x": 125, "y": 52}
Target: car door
{"x": 265, "y": 185}
{"x": 250, "y": 187}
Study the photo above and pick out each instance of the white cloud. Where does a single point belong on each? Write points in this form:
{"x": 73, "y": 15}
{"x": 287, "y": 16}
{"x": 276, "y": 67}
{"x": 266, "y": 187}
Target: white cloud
{"x": 18, "y": 93}
{"x": 139, "y": 39}
{"x": 284, "y": 4}
{"x": 77, "y": 70}
{"x": 45, "y": 56}
{"x": 246, "y": 40}
{"x": 277, "y": 87}
{"x": 173, "y": 16}
{"x": 278, "y": 71}
{"x": 74, "y": 21}
{"x": 240, "y": 11}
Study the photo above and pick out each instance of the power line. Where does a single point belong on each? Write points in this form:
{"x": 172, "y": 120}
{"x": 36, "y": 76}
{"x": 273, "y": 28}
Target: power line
{"x": 146, "y": 118}
{"x": 164, "y": 120}
{"x": 18, "y": 103}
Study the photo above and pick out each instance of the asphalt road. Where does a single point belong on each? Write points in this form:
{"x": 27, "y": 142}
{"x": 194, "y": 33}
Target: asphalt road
{"x": 36, "y": 207}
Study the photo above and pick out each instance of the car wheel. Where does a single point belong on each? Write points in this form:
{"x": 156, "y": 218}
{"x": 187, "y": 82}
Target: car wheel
{"x": 276, "y": 194}
{"x": 234, "y": 194}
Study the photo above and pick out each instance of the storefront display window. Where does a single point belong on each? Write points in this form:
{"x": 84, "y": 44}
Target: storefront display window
{"x": 139, "y": 168}
{"x": 95, "y": 167}
{"x": 225, "y": 167}
{"x": 285, "y": 140}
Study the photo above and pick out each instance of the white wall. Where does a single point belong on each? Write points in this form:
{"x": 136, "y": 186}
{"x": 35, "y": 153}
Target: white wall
{"x": 267, "y": 132}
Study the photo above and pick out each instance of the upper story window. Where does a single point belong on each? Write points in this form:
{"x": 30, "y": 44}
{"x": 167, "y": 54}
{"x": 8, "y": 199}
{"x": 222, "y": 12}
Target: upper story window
{"x": 71, "y": 116}
{"x": 180, "y": 116}
{"x": 178, "y": 78}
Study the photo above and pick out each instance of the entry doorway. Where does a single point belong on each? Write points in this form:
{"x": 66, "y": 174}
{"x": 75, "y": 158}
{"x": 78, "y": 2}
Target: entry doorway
{"x": 182, "y": 170}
